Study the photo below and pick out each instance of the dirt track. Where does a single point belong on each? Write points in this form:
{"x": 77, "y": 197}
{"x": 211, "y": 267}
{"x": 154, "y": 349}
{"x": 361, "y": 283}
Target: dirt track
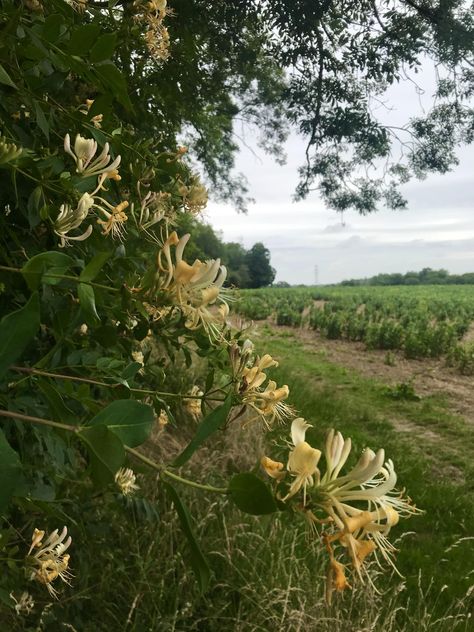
{"x": 429, "y": 376}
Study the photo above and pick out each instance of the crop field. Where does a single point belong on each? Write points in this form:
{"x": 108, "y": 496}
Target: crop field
{"x": 420, "y": 322}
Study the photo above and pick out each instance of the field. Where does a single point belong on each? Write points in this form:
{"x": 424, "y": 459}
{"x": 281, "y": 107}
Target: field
{"x": 421, "y": 322}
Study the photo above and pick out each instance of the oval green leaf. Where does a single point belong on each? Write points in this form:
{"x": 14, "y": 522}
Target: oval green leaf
{"x": 251, "y": 495}
{"x": 130, "y": 420}
{"x": 18, "y": 329}
{"x": 106, "y": 453}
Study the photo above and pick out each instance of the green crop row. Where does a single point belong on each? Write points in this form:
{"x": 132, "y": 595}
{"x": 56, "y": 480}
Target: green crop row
{"x": 427, "y": 321}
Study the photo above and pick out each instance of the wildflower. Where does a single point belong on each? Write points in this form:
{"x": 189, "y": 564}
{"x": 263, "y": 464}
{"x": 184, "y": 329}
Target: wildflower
{"x": 193, "y": 403}
{"x": 24, "y": 605}
{"x": 50, "y": 560}
{"x": 95, "y": 120}
{"x": 138, "y": 357}
{"x": 69, "y": 219}
{"x": 83, "y": 329}
{"x": 303, "y": 460}
{"x": 157, "y": 39}
{"x": 125, "y": 480}
{"x": 154, "y": 208}
{"x": 83, "y": 154}
{"x": 195, "y": 289}
{"x": 194, "y": 196}
{"x": 268, "y": 403}
{"x": 8, "y": 151}
{"x": 163, "y": 420}
{"x": 272, "y": 468}
{"x": 78, "y": 5}
{"x": 335, "y": 578}
{"x": 115, "y": 217}
{"x": 361, "y": 506}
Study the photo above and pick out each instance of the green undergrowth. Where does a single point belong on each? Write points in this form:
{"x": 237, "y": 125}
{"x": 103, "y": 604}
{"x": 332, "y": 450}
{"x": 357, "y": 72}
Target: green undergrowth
{"x": 430, "y": 449}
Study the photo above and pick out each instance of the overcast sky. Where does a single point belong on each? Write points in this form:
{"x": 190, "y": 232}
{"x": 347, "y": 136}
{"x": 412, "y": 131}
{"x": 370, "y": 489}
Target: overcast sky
{"x": 437, "y": 229}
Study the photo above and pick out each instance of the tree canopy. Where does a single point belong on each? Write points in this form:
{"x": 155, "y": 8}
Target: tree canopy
{"x": 320, "y": 67}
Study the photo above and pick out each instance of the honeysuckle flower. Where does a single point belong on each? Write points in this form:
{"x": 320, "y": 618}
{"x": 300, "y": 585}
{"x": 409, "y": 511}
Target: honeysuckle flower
{"x": 274, "y": 469}
{"x": 84, "y": 152}
{"x": 114, "y": 217}
{"x": 193, "y": 404}
{"x": 69, "y": 219}
{"x": 125, "y": 480}
{"x": 359, "y": 507}
{"x": 8, "y": 151}
{"x": 335, "y": 578}
{"x": 50, "y": 560}
{"x": 163, "y": 420}
{"x": 138, "y": 357}
{"x": 194, "y": 289}
{"x": 152, "y": 14}
{"x": 24, "y": 605}
{"x": 268, "y": 403}
{"x": 194, "y": 196}
{"x": 154, "y": 208}
{"x": 302, "y": 461}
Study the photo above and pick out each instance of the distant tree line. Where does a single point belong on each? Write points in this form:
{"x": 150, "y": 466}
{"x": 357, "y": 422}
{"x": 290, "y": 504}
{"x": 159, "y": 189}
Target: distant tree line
{"x": 427, "y": 276}
{"x": 246, "y": 268}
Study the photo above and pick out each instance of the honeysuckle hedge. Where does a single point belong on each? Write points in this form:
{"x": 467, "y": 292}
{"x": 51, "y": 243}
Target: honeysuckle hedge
{"x": 98, "y": 303}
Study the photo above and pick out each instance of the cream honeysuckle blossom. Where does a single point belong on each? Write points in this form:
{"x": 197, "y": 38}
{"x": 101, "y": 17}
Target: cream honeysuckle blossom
{"x": 359, "y": 507}
{"x": 50, "y": 561}
{"x": 152, "y": 14}
{"x": 274, "y": 469}
{"x": 268, "y": 403}
{"x": 24, "y": 605}
{"x": 195, "y": 289}
{"x": 125, "y": 480}
{"x": 69, "y": 219}
{"x": 302, "y": 461}
{"x": 193, "y": 403}
{"x": 194, "y": 196}
{"x": 83, "y": 154}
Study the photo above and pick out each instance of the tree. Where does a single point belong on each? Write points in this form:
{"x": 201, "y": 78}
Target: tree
{"x": 320, "y": 66}
{"x": 258, "y": 262}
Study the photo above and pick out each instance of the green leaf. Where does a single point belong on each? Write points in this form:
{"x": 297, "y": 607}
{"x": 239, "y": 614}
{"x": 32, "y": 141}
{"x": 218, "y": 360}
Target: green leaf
{"x": 251, "y": 495}
{"x": 83, "y": 38}
{"x": 5, "y": 78}
{"x": 41, "y": 120}
{"x": 94, "y": 266}
{"x": 198, "y": 562}
{"x": 35, "y": 271}
{"x": 53, "y": 25}
{"x": 86, "y": 296}
{"x": 104, "y": 47}
{"x": 18, "y": 329}
{"x": 131, "y": 370}
{"x": 59, "y": 410}
{"x": 10, "y": 471}
{"x": 106, "y": 453}
{"x": 206, "y": 428}
{"x": 113, "y": 80}
{"x": 130, "y": 420}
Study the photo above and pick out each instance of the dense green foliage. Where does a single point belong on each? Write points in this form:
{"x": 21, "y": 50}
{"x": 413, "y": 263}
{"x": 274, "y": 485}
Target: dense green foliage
{"x": 427, "y": 276}
{"x": 422, "y": 322}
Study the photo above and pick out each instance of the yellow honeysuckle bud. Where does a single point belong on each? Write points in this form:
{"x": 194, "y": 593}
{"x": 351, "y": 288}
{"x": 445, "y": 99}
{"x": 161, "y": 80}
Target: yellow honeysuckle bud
{"x": 272, "y": 468}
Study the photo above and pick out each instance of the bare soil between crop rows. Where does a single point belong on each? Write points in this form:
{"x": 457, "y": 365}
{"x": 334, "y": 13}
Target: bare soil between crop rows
{"x": 428, "y": 376}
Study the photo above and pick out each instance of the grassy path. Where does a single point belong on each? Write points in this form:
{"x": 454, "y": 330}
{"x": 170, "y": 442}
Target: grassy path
{"x": 431, "y": 448}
